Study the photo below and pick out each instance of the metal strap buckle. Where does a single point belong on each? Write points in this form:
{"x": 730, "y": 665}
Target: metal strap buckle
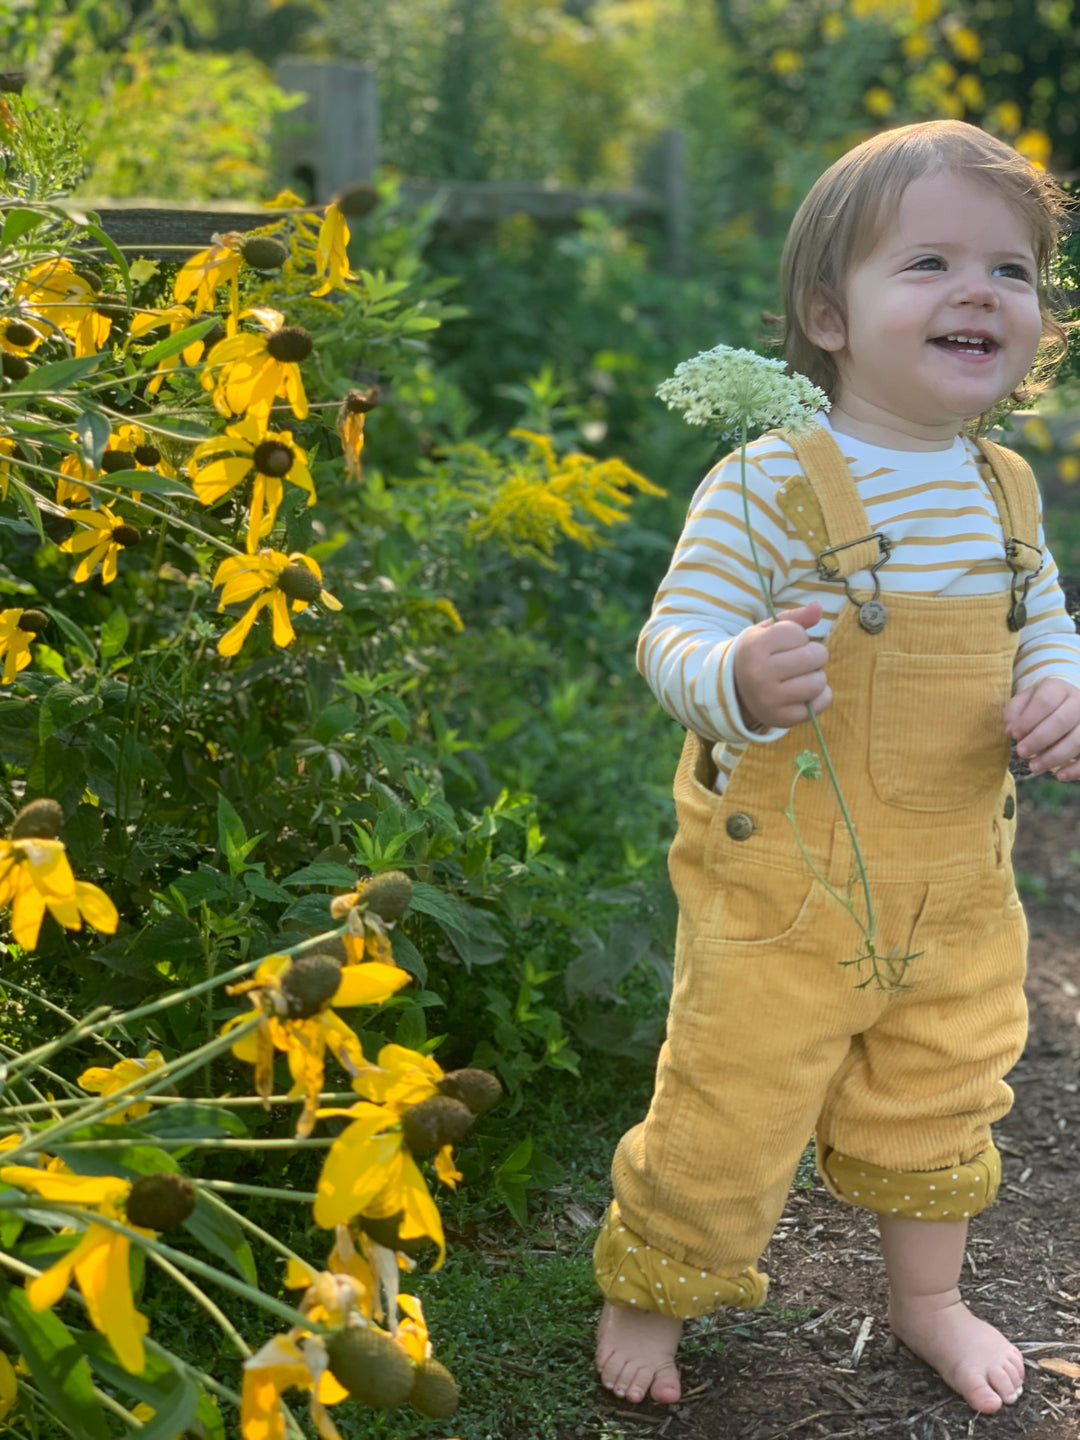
{"x": 1012, "y": 550}
{"x": 828, "y": 572}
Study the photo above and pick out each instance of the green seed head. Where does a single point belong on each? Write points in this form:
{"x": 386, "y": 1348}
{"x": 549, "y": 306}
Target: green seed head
{"x": 299, "y": 583}
{"x": 433, "y": 1123}
{"x": 262, "y": 252}
{"x": 310, "y": 984}
{"x": 478, "y": 1089}
{"x": 434, "y": 1391}
{"x": 40, "y": 820}
{"x": 34, "y": 622}
{"x": 387, "y": 895}
{"x": 161, "y": 1201}
{"x": 372, "y": 1367}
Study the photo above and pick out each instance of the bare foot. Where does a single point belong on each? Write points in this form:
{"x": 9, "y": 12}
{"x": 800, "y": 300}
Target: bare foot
{"x": 970, "y": 1355}
{"x": 635, "y": 1353}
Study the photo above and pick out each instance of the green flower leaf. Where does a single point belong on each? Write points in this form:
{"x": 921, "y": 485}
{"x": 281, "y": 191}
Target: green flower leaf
{"x": 59, "y": 1369}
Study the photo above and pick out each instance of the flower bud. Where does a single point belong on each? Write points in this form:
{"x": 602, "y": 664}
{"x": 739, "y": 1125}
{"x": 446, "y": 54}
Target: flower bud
{"x": 309, "y": 984}
{"x": 299, "y": 583}
{"x": 161, "y": 1201}
{"x": 40, "y": 820}
{"x": 434, "y": 1390}
{"x": 433, "y": 1123}
{"x": 262, "y": 252}
{"x": 478, "y": 1089}
{"x": 372, "y": 1367}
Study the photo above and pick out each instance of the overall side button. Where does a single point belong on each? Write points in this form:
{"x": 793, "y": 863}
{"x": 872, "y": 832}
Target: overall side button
{"x": 739, "y": 826}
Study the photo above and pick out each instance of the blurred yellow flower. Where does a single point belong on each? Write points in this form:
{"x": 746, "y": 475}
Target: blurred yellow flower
{"x": 1036, "y": 432}
{"x": 331, "y": 253}
{"x": 54, "y": 292}
{"x": 832, "y": 26}
{"x": 284, "y": 580}
{"x": 98, "y": 1261}
{"x": 1007, "y": 117}
{"x": 294, "y": 1361}
{"x": 100, "y": 542}
{"x": 101, "y": 1081}
{"x": 9, "y": 1386}
{"x": 785, "y": 61}
{"x": 205, "y": 272}
{"x": 1036, "y": 146}
{"x": 970, "y": 90}
{"x": 247, "y": 449}
{"x": 916, "y": 46}
{"x": 18, "y": 628}
{"x": 965, "y": 42}
{"x": 7, "y": 450}
{"x": 253, "y": 370}
{"x": 879, "y": 101}
{"x": 1068, "y": 469}
{"x": 399, "y": 1078}
{"x": 35, "y": 876}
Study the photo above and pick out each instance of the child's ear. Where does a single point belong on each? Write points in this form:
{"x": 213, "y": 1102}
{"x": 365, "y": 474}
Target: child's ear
{"x": 824, "y": 325}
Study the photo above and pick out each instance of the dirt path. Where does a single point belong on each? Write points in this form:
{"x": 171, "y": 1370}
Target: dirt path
{"x": 780, "y": 1378}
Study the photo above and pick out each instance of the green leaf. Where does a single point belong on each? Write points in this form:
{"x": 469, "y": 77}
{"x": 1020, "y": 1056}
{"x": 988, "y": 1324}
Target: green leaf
{"x": 127, "y": 1157}
{"x": 222, "y": 1236}
{"x": 263, "y": 888}
{"x": 174, "y": 1396}
{"x": 148, "y": 481}
{"x": 323, "y": 872}
{"x": 60, "y": 375}
{"x": 114, "y": 633}
{"x": 173, "y": 343}
{"x": 233, "y": 842}
{"x": 59, "y": 1369}
{"x": 94, "y": 433}
{"x": 192, "y": 1121}
{"x": 30, "y": 510}
{"x": 16, "y": 224}
{"x": 117, "y": 255}
{"x": 408, "y": 957}
{"x": 72, "y": 632}
{"x": 65, "y": 705}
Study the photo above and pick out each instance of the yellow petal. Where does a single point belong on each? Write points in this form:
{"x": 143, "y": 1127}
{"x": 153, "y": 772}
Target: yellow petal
{"x": 69, "y": 1189}
{"x": 369, "y": 984}
{"x": 354, "y": 1170}
{"x": 104, "y": 1277}
{"x": 97, "y": 909}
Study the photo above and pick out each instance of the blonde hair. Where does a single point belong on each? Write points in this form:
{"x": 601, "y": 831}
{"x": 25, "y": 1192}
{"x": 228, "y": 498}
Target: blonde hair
{"x": 839, "y": 222}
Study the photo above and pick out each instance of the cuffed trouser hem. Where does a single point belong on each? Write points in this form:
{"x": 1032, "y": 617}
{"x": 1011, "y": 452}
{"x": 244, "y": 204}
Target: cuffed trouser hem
{"x": 630, "y": 1272}
{"x": 955, "y": 1193}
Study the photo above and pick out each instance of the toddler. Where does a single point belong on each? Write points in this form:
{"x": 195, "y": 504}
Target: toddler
{"x": 923, "y": 622}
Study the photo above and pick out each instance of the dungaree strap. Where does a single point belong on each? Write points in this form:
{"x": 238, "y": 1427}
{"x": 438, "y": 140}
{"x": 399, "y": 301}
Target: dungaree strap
{"x": 1016, "y": 495}
{"x": 824, "y": 507}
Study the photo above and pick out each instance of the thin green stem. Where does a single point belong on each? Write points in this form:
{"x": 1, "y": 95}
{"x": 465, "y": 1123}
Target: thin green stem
{"x": 262, "y": 1192}
{"x": 220, "y": 1319}
{"x": 257, "y": 1230}
{"x": 33, "y": 1059}
{"x": 43, "y": 1141}
{"x": 6, "y": 984}
{"x": 223, "y": 1102}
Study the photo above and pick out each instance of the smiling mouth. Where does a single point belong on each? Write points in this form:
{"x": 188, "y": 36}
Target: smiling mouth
{"x": 964, "y": 343}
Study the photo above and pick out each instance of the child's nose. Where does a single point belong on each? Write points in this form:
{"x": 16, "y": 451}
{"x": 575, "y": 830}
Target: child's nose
{"x": 977, "y": 288}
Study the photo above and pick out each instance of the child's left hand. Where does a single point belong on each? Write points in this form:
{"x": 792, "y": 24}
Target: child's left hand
{"x": 1045, "y": 723}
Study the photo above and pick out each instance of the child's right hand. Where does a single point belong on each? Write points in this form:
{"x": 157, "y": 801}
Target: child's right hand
{"x": 778, "y": 670}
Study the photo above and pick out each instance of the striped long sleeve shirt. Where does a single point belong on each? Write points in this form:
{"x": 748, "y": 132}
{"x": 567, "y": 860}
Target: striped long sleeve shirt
{"x": 946, "y": 540}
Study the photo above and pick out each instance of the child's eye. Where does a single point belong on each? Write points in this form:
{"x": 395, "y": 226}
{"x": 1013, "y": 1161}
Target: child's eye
{"x": 1014, "y": 271}
{"x": 929, "y": 262}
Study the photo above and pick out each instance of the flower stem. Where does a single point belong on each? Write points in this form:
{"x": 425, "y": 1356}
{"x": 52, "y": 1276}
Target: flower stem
{"x": 224, "y": 1324}
{"x": 242, "y": 1219}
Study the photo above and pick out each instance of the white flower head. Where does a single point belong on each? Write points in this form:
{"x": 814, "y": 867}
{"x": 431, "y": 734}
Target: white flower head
{"x": 736, "y": 388}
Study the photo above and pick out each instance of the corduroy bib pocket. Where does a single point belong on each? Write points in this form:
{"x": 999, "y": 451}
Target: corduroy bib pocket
{"x": 759, "y": 905}
{"x": 917, "y": 765}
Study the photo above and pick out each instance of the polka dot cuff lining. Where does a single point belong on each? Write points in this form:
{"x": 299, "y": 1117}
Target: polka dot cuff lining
{"x": 629, "y": 1272}
{"x": 954, "y": 1194}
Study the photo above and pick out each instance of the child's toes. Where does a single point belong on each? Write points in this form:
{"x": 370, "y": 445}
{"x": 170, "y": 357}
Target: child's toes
{"x": 638, "y": 1385}
{"x": 666, "y": 1388}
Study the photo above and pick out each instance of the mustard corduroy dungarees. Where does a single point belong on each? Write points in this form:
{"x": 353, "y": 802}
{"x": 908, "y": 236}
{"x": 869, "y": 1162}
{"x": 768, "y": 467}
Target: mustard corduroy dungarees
{"x": 769, "y": 1039}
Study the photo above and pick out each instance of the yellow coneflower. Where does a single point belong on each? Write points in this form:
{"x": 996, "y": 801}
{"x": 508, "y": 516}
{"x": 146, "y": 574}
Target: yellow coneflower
{"x": 99, "y": 1080}
{"x": 102, "y": 540}
{"x": 350, "y": 426}
{"x": 331, "y": 253}
{"x": 177, "y": 317}
{"x": 52, "y": 291}
{"x": 285, "y": 581}
{"x": 18, "y": 629}
{"x": 7, "y": 450}
{"x": 295, "y": 1001}
{"x": 219, "y": 465}
{"x": 202, "y": 275}
{"x": 18, "y": 336}
{"x": 248, "y": 372}
{"x": 99, "y": 1261}
{"x": 35, "y": 876}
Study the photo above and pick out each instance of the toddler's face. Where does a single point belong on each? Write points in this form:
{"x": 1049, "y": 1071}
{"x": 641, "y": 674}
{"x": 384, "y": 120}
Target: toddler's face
{"x": 943, "y": 315}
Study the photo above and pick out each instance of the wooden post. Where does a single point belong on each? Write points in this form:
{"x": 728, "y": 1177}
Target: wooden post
{"x": 664, "y": 173}
{"x": 331, "y": 140}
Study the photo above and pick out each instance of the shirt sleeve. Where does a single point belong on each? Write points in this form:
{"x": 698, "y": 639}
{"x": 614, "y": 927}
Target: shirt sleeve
{"x": 710, "y": 595}
{"x": 1049, "y": 644}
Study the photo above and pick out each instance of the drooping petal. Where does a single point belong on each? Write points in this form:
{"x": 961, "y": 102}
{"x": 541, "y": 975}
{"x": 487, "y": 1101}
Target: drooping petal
{"x": 354, "y": 1169}
{"x": 283, "y": 632}
{"x": 104, "y": 1277}
{"x": 369, "y": 984}
{"x": 232, "y": 641}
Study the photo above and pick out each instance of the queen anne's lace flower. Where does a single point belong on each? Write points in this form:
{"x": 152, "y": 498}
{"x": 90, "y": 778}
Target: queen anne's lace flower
{"x": 733, "y": 389}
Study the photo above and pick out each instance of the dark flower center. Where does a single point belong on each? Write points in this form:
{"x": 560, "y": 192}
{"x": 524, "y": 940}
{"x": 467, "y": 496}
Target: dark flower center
{"x": 33, "y": 622}
{"x": 298, "y": 582}
{"x": 14, "y": 366}
{"x": 290, "y": 344}
{"x": 147, "y": 454}
{"x": 17, "y": 333}
{"x": 271, "y": 457}
{"x": 125, "y": 534}
{"x": 262, "y": 252}
{"x": 114, "y": 460}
